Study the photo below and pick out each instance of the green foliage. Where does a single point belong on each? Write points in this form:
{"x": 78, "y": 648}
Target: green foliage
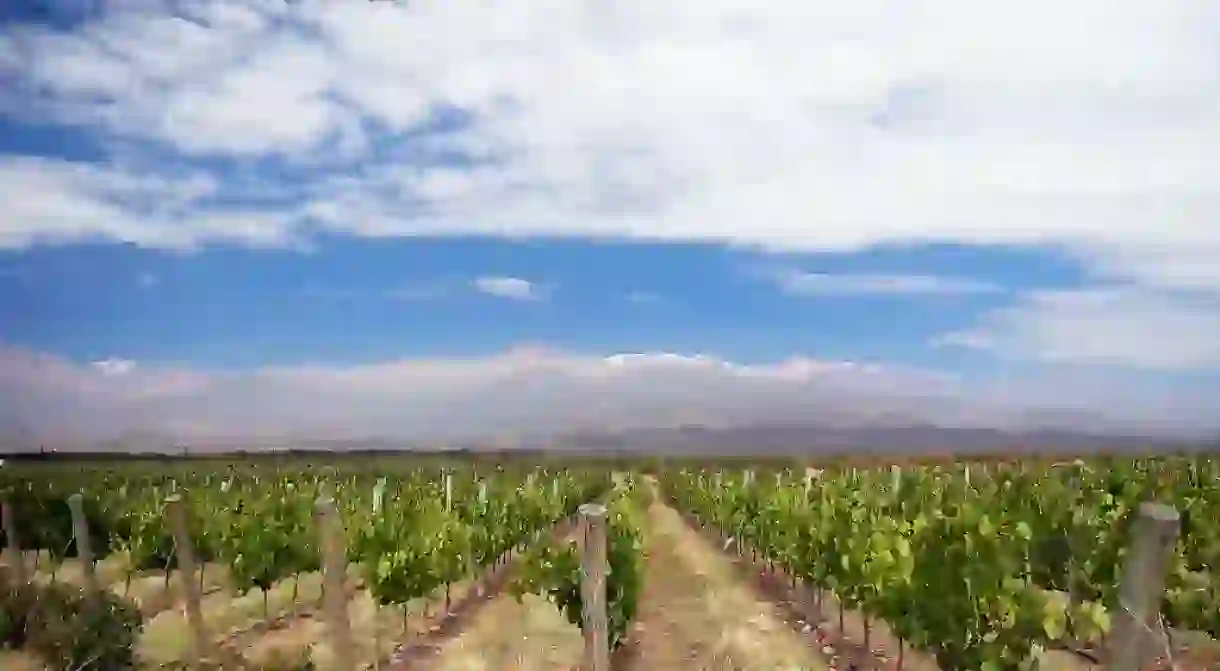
{"x": 44, "y": 520}
{"x": 145, "y": 537}
{"x": 264, "y": 532}
{"x": 259, "y": 519}
{"x": 554, "y": 569}
{"x": 412, "y": 546}
{"x": 980, "y": 564}
{"x": 409, "y": 543}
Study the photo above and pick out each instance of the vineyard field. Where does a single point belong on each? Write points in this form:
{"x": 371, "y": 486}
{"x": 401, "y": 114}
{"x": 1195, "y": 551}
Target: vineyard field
{"x": 416, "y": 540}
{"x": 822, "y": 564}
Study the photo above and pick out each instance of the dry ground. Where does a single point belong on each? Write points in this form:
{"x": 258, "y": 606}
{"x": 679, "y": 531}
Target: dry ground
{"x": 16, "y": 660}
{"x": 844, "y": 643}
{"x": 513, "y": 636}
{"x": 695, "y": 613}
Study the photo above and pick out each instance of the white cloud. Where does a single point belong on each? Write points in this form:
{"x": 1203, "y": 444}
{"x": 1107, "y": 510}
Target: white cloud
{"x": 532, "y": 390}
{"x": 114, "y": 367}
{"x": 854, "y": 284}
{"x": 796, "y": 126}
{"x": 1164, "y": 265}
{"x": 512, "y": 288}
{"x": 792, "y": 127}
{"x": 1121, "y": 325}
{"x": 83, "y": 201}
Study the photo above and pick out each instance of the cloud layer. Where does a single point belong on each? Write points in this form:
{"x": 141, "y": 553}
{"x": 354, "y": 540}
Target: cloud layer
{"x": 1104, "y": 326}
{"x": 857, "y": 284}
{"x": 539, "y": 391}
{"x": 799, "y": 127}
{"x": 796, "y": 127}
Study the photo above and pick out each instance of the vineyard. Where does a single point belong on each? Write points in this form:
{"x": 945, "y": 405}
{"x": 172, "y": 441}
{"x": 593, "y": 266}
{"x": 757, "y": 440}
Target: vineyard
{"x": 990, "y": 566}
{"x": 412, "y": 539}
{"x": 981, "y": 565}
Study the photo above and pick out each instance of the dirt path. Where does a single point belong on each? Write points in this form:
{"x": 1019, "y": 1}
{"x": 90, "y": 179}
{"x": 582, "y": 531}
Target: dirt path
{"x": 494, "y": 631}
{"x": 694, "y": 613}
{"x": 17, "y": 660}
{"x": 697, "y": 613}
{"x": 510, "y": 635}
{"x": 839, "y": 633}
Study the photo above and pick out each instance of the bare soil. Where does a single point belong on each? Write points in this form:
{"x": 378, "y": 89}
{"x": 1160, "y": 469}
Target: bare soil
{"x": 697, "y": 613}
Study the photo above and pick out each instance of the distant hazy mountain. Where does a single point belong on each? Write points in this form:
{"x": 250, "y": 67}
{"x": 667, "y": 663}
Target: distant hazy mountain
{"x": 914, "y": 438}
{"x": 690, "y": 439}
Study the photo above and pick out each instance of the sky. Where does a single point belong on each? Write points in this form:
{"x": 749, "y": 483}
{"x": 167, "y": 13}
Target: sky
{"x": 240, "y": 217}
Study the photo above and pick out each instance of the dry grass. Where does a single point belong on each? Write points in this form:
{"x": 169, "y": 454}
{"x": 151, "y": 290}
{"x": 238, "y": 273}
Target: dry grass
{"x": 511, "y": 635}
{"x": 697, "y": 613}
{"x": 237, "y": 623}
{"x": 149, "y": 592}
{"x": 166, "y": 636}
{"x": 287, "y": 648}
{"x": 147, "y": 589}
{"x": 18, "y": 660}
{"x": 299, "y": 634}
{"x": 393, "y": 626}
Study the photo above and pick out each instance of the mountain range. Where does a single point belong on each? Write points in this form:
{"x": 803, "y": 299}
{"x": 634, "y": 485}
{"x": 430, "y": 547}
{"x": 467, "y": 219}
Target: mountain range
{"x": 746, "y": 440}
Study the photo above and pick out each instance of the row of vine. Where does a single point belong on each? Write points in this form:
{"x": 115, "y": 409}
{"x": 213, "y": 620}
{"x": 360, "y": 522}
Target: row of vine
{"x": 980, "y": 564}
{"x": 411, "y": 532}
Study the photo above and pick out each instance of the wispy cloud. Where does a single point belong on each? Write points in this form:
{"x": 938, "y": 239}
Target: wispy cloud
{"x": 511, "y": 288}
{"x": 1116, "y": 326}
{"x": 113, "y": 367}
{"x": 1103, "y": 151}
{"x": 799, "y": 283}
{"x": 147, "y": 280}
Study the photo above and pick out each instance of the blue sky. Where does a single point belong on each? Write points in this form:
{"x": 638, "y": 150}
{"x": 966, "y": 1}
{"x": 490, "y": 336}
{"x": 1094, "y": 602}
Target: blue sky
{"x": 357, "y": 301}
{"x": 195, "y": 194}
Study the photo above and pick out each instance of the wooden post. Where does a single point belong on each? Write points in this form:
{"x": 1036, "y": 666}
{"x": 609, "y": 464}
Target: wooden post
{"x": 593, "y": 587}
{"x": 334, "y": 576}
{"x": 16, "y": 558}
{"x": 176, "y": 508}
{"x": 84, "y": 547}
{"x": 1137, "y": 624}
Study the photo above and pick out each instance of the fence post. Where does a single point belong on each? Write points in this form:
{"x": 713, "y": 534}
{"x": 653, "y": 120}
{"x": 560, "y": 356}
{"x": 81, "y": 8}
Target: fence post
{"x": 334, "y": 578}
{"x": 186, "y": 573}
{"x": 16, "y": 559}
{"x": 1154, "y": 534}
{"x": 84, "y": 546}
{"x": 593, "y": 587}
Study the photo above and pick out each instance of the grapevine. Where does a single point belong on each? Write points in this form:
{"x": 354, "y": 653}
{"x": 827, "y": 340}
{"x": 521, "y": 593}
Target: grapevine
{"x": 982, "y": 565}
{"x": 553, "y": 568}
